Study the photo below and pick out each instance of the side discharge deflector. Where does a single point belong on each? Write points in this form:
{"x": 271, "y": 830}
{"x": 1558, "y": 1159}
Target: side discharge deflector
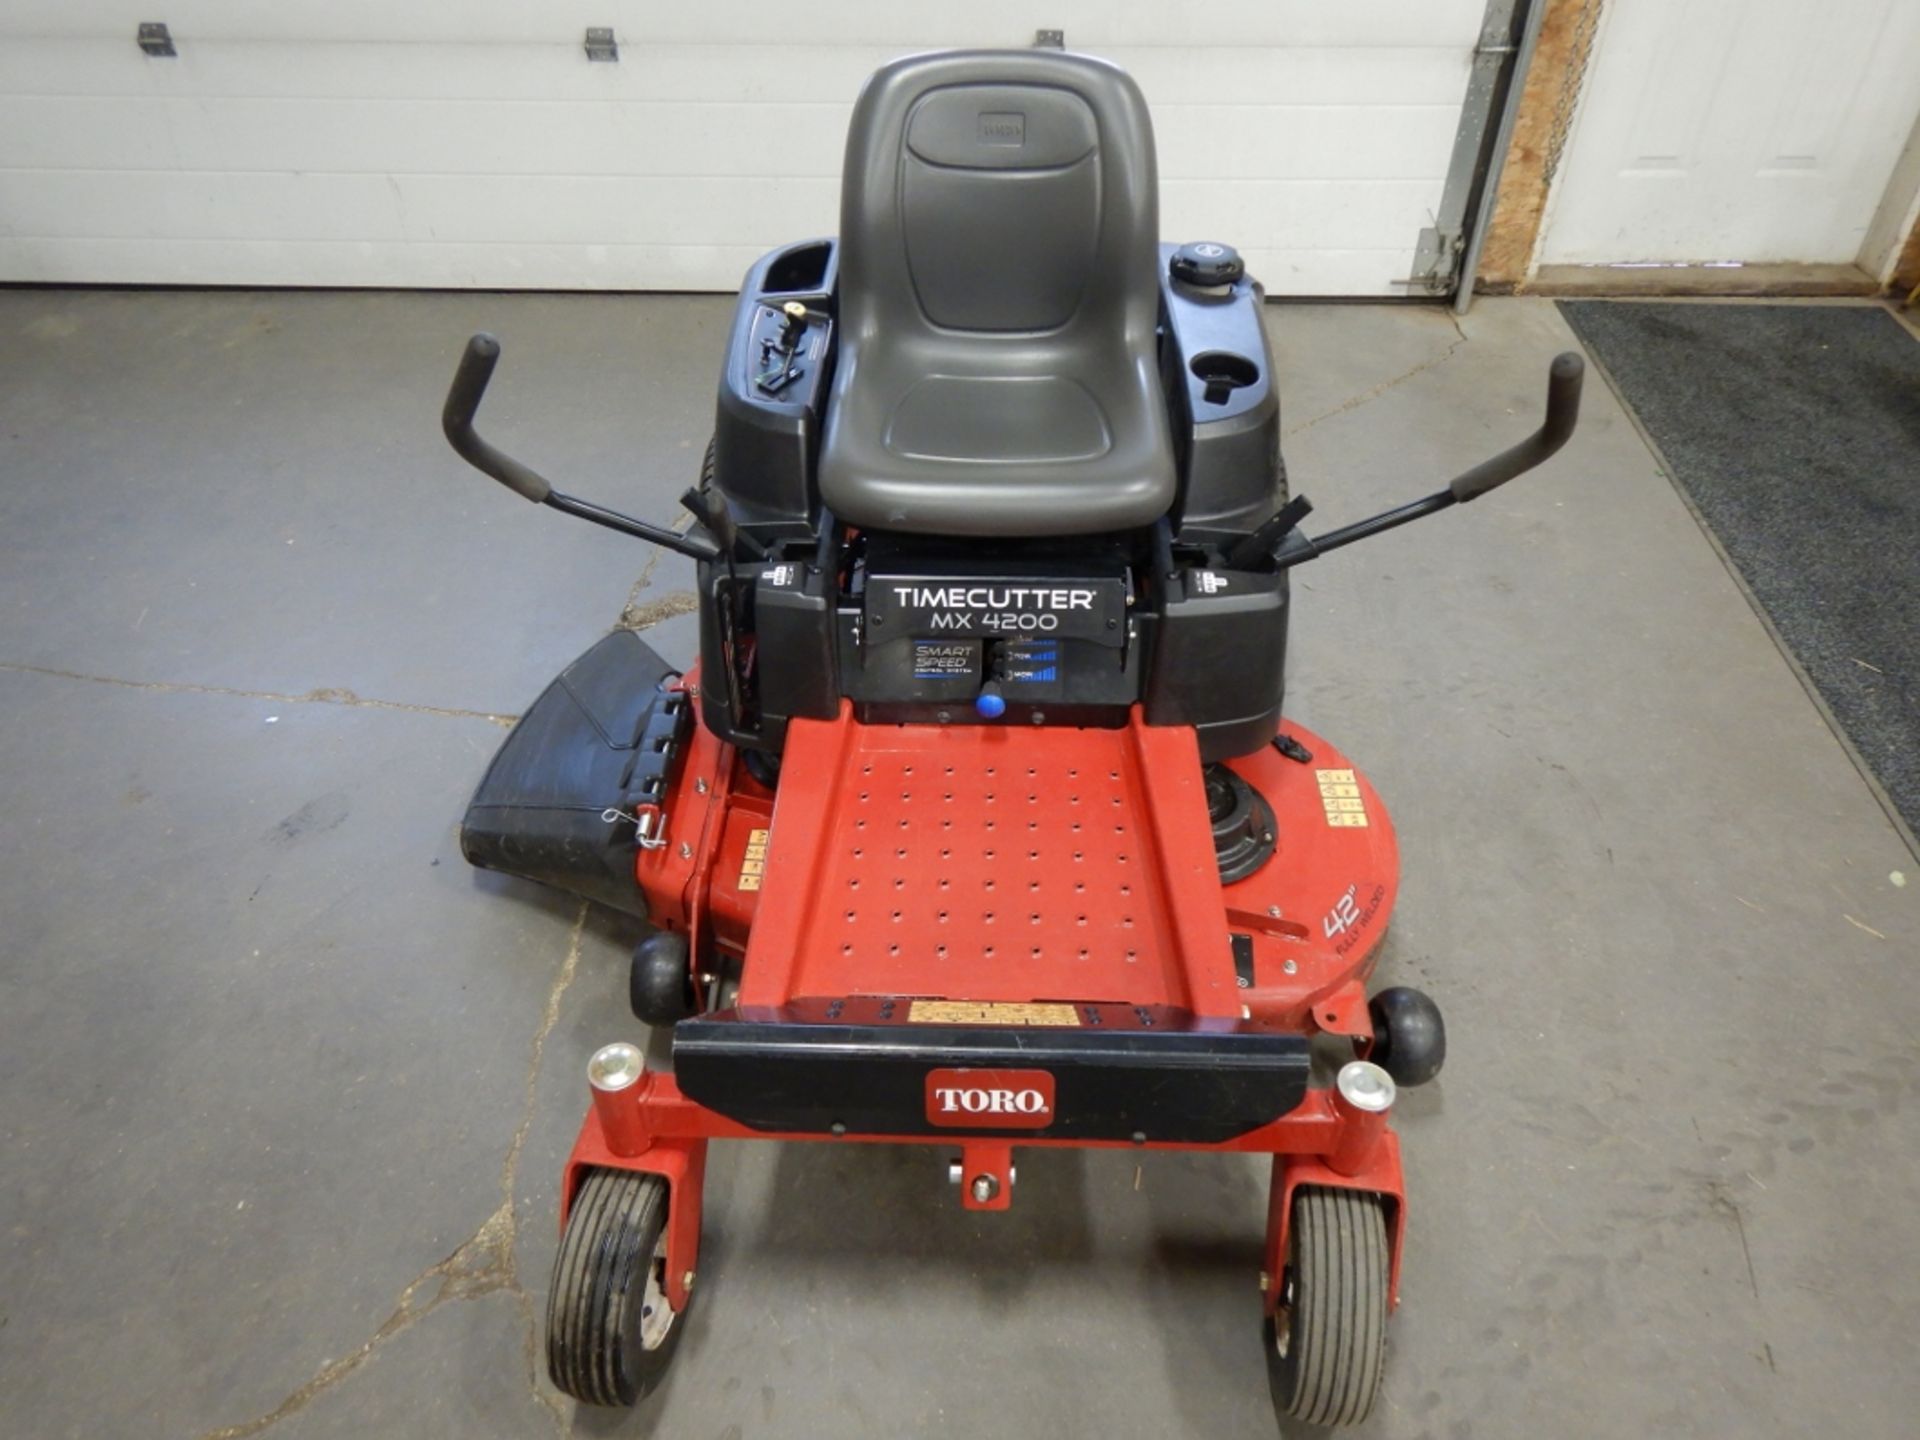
{"x": 558, "y": 801}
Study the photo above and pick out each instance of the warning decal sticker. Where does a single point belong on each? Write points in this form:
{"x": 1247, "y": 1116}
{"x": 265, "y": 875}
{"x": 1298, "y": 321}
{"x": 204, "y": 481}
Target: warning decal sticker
{"x": 1340, "y": 797}
{"x": 989, "y": 1012}
{"x": 755, "y": 863}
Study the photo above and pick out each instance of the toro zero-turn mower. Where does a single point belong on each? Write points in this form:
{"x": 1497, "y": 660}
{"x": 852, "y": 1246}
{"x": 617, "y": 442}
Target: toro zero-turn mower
{"x": 977, "y": 825}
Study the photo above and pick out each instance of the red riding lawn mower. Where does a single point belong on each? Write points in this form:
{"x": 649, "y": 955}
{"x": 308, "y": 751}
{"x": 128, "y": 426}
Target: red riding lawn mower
{"x": 977, "y": 825}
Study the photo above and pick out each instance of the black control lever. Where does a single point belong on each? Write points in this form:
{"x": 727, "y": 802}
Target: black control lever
{"x": 1563, "y": 411}
{"x": 711, "y": 511}
{"x": 1283, "y": 523}
{"x": 1564, "y": 378}
{"x": 456, "y": 419}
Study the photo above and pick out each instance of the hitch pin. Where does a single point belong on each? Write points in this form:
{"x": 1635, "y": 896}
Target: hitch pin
{"x": 644, "y": 825}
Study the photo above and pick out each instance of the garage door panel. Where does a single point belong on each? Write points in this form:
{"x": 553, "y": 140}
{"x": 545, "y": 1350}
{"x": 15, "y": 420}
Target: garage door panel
{"x": 757, "y": 212}
{"x": 1331, "y": 272}
{"x": 569, "y": 137}
{"x": 708, "y": 73}
{"x": 68, "y": 133}
{"x": 382, "y": 263}
{"x": 544, "y": 70}
{"x": 1089, "y": 23}
{"x": 535, "y": 137}
{"x": 1318, "y": 134}
{"x": 1304, "y": 141}
{"x": 753, "y": 213}
{"x": 514, "y": 266}
{"x": 132, "y": 204}
{"x": 1297, "y": 75}
{"x": 1293, "y": 214}
{"x": 586, "y": 131}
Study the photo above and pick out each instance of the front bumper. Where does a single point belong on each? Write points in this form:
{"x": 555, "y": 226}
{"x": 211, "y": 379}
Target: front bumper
{"x": 870, "y": 1066}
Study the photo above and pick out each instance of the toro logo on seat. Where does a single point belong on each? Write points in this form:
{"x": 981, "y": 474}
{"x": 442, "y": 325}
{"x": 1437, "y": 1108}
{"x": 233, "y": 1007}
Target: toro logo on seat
{"x": 990, "y": 1099}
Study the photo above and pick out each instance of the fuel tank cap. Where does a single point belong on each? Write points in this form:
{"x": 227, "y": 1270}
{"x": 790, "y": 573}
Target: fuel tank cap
{"x": 1206, "y": 262}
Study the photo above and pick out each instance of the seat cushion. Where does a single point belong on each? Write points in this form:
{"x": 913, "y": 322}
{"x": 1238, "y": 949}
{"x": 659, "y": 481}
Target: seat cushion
{"x": 998, "y": 420}
{"x": 1007, "y": 453}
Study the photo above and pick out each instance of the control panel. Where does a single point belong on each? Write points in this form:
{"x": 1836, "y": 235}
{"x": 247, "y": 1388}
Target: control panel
{"x": 989, "y": 643}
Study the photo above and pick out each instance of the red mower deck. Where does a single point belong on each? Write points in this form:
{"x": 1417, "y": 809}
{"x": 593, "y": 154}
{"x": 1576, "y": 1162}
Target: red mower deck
{"x": 1056, "y": 884}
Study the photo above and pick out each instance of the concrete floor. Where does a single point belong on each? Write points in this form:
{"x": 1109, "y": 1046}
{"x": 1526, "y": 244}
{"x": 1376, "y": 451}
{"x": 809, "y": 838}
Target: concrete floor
{"x": 285, "y": 1088}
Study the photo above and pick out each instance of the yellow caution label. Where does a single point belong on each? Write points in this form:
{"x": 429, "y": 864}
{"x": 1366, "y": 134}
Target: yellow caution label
{"x": 990, "y": 1012}
{"x": 755, "y": 864}
{"x": 1340, "y": 798}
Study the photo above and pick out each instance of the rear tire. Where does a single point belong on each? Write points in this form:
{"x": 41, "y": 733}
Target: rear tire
{"x": 610, "y": 1332}
{"x": 1326, "y": 1340}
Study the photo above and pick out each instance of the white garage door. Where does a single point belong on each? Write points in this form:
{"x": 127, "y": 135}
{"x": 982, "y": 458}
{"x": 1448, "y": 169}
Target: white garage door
{"x": 471, "y": 143}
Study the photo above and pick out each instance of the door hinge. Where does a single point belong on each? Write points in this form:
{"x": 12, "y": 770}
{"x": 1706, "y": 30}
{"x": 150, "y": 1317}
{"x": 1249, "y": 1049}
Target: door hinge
{"x": 1436, "y": 261}
{"x": 155, "y": 39}
{"x": 601, "y": 44}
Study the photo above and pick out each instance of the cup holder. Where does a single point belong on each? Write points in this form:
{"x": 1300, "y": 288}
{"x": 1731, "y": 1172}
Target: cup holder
{"x": 1223, "y": 373}
{"x": 800, "y": 269}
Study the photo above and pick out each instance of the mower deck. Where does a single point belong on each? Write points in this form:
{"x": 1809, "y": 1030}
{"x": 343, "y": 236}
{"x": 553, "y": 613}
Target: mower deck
{"x": 928, "y": 912}
{"x": 1041, "y": 904}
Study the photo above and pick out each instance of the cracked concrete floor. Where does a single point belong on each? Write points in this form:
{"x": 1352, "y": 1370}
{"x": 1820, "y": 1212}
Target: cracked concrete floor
{"x": 284, "y": 1088}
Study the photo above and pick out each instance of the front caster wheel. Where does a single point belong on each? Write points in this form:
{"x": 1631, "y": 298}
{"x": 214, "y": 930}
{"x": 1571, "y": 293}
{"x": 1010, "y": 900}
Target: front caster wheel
{"x": 610, "y": 1331}
{"x": 1327, "y": 1337}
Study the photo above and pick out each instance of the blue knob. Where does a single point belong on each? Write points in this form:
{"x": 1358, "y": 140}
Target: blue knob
{"x": 990, "y": 703}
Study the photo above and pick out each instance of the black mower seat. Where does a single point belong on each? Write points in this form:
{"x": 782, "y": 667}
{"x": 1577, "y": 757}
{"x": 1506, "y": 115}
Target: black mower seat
{"x": 997, "y": 370}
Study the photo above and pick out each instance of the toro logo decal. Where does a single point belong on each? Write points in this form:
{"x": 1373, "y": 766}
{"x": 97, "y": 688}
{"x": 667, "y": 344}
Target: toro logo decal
{"x": 990, "y": 1099}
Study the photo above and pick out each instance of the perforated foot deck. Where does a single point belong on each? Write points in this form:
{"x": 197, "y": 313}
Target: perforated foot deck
{"x": 991, "y": 865}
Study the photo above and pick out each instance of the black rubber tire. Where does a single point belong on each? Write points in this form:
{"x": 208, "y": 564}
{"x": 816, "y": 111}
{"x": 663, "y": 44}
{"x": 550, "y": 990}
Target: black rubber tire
{"x": 596, "y": 1345}
{"x": 1410, "y": 1037}
{"x": 707, "y": 462}
{"x": 1332, "y": 1321}
{"x": 660, "y": 985}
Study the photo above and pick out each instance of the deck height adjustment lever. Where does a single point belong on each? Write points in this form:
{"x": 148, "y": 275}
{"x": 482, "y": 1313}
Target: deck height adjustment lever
{"x": 780, "y": 354}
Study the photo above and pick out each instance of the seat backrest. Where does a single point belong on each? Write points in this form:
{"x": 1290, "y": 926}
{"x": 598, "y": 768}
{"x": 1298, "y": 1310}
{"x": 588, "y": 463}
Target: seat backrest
{"x": 1001, "y": 193}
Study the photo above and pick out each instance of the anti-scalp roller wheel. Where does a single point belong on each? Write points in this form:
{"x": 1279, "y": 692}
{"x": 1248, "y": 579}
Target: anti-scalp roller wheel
{"x": 660, "y": 987}
{"x": 1409, "y": 1037}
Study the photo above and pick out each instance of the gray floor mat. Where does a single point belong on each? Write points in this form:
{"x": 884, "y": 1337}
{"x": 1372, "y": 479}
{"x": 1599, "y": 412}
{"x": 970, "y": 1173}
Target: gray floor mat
{"x": 1795, "y": 431}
